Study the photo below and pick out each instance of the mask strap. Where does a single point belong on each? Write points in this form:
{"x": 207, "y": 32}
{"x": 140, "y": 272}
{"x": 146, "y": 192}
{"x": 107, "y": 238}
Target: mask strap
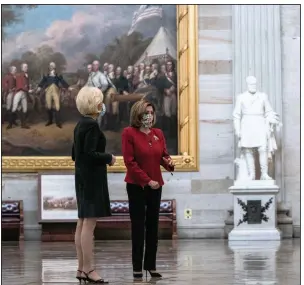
{"x": 103, "y": 109}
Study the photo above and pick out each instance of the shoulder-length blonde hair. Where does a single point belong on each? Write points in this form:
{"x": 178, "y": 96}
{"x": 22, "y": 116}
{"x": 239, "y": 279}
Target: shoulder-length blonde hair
{"x": 88, "y": 99}
{"x": 137, "y": 112}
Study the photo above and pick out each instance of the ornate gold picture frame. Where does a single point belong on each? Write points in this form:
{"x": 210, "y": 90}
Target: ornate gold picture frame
{"x": 187, "y": 65}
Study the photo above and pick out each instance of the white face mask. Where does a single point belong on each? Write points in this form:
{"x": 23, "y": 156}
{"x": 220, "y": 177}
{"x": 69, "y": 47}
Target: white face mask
{"x": 103, "y": 109}
{"x": 147, "y": 120}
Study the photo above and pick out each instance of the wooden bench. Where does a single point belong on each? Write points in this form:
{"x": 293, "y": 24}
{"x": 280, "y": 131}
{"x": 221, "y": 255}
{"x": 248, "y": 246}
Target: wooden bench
{"x": 12, "y": 220}
{"x": 64, "y": 231}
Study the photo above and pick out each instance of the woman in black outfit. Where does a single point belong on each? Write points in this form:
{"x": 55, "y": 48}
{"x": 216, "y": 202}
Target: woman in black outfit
{"x": 90, "y": 178}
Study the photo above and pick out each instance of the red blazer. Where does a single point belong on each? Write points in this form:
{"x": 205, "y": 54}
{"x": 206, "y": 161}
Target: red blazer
{"x": 9, "y": 82}
{"x": 22, "y": 82}
{"x": 143, "y": 155}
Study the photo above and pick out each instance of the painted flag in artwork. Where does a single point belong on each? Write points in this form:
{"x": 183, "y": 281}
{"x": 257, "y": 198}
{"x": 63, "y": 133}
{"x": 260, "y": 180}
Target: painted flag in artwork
{"x": 145, "y": 12}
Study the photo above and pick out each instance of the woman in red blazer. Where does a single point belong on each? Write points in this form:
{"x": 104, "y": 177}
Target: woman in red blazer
{"x": 144, "y": 151}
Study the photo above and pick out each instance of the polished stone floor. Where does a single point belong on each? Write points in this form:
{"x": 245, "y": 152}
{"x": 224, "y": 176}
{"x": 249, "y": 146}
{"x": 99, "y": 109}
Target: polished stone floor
{"x": 187, "y": 262}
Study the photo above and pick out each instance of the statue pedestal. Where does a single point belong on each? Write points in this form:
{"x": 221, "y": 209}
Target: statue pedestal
{"x": 254, "y": 211}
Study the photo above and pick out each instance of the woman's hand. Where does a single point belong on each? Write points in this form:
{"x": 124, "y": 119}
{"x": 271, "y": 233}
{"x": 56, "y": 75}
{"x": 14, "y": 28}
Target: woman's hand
{"x": 113, "y": 160}
{"x": 153, "y": 184}
{"x": 169, "y": 161}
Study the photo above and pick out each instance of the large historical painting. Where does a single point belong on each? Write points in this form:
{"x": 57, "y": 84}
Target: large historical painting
{"x": 50, "y": 51}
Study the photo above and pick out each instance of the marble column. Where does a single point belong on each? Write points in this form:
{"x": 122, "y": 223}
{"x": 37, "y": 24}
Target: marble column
{"x": 257, "y": 51}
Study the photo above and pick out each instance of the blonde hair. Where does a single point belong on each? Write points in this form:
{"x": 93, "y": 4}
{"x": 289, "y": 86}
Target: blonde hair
{"x": 137, "y": 112}
{"x": 88, "y": 99}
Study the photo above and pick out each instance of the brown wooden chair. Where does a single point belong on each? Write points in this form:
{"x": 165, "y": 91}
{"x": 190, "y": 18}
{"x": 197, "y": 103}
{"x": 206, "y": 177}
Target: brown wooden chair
{"x": 12, "y": 220}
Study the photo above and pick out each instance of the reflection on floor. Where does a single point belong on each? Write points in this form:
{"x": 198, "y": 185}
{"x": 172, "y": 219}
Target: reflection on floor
{"x": 195, "y": 262}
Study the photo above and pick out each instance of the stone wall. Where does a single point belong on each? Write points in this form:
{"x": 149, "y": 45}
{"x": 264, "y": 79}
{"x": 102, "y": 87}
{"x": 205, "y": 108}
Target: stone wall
{"x": 24, "y": 187}
{"x": 206, "y": 191}
{"x": 290, "y": 34}
{"x": 215, "y": 108}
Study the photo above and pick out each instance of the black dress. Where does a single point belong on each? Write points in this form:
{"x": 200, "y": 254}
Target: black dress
{"x": 91, "y": 161}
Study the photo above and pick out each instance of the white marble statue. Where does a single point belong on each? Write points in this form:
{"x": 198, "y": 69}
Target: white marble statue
{"x": 242, "y": 171}
{"x": 254, "y": 124}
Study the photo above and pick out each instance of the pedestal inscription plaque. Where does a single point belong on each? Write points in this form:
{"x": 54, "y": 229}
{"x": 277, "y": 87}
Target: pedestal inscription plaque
{"x": 254, "y": 211}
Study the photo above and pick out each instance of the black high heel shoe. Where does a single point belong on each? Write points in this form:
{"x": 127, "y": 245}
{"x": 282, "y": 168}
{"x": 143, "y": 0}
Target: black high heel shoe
{"x": 153, "y": 274}
{"x": 137, "y": 275}
{"x": 90, "y": 280}
{"x": 80, "y": 278}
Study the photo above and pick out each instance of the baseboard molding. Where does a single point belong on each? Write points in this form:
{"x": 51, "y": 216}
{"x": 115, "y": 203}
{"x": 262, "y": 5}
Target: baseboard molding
{"x": 202, "y": 226}
{"x": 204, "y": 231}
{"x": 32, "y": 232}
{"x": 297, "y": 231}
{"x": 32, "y": 227}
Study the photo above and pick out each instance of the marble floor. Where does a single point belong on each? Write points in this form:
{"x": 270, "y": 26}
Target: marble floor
{"x": 195, "y": 262}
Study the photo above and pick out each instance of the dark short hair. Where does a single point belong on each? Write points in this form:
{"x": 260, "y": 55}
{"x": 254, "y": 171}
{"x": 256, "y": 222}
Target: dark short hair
{"x": 137, "y": 112}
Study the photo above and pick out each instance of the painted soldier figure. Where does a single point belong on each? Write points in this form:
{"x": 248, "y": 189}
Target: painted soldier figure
{"x": 168, "y": 86}
{"x": 129, "y": 76}
{"x": 105, "y": 68}
{"x": 103, "y": 82}
{"x": 21, "y": 95}
{"x": 51, "y": 83}
{"x": 89, "y": 71}
{"x": 147, "y": 74}
{"x": 154, "y": 75}
{"x": 141, "y": 75}
{"x": 97, "y": 78}
{"x": 111, "y": 117}
{"x": 122, "y": 85}
{"x": 9, "y": 88}
{"x": 111, "y": 71}
{"x": 135, "y": 79}
{"x": 82, "y": 80}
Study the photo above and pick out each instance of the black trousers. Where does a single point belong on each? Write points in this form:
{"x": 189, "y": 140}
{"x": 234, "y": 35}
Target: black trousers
{"x": 144, "y": 207}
